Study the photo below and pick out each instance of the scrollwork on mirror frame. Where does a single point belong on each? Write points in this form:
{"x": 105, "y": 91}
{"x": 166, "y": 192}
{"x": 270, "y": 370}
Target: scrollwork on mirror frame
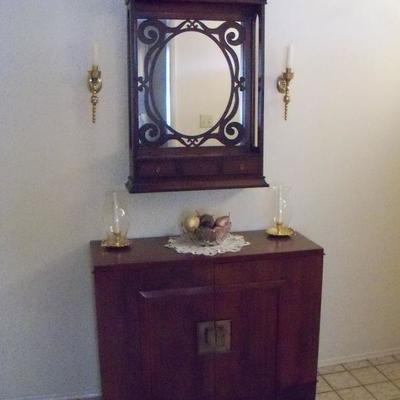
{"x": 156, "y": 34}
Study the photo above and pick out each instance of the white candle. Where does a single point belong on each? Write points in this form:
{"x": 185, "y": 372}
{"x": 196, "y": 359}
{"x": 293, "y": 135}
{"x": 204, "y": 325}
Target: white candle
{"x": 96, "y": 54}
{"x": 289, "y": 57}
{"x": 279, "y": 219}
{"x": 117, "y": 228}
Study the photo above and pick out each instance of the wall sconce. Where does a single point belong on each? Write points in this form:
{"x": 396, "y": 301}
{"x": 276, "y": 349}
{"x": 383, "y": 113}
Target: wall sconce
{"x": 94, "y": 82}
{"x": 283, "y": 82}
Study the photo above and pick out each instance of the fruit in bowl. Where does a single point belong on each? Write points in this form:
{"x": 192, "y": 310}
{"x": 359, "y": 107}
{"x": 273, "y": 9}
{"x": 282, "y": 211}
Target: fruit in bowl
{"x": 207, "y": 230}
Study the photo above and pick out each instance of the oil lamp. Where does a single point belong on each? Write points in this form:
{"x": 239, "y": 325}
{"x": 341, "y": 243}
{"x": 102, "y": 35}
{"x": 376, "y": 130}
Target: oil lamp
{"x": 116, "y": 221}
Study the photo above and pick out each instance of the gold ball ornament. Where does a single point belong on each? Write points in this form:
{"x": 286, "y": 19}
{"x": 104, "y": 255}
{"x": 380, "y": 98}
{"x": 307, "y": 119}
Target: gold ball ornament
{"x": 191, "y": 223}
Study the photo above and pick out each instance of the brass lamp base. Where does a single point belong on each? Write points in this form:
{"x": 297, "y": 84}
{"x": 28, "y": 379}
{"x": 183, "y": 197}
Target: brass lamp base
{"x": 115, "y": 241}
{"x": 280, "y": 231}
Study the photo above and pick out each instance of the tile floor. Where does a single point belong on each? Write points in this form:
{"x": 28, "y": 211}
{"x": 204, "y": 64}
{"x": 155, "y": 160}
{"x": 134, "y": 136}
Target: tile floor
{"x": 373, "y": 379}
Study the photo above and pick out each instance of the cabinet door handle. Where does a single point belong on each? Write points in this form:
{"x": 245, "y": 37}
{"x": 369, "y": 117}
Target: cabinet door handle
{"x": 220, "y": 334}
{"x": 223, "y": 336}
{"x": 210, "y": 337}
{"x": 205, "y": 337}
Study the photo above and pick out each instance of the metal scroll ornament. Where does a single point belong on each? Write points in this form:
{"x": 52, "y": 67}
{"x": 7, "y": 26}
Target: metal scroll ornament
{"x": 155, "y": 34}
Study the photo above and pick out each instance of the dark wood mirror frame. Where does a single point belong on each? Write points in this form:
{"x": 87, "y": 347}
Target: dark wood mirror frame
{"x": 238, "y": 162}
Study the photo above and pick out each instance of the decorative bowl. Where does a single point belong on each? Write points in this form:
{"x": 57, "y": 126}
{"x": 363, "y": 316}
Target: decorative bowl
{"x": 210, "y": 236}
{"x": 210, "y": 233}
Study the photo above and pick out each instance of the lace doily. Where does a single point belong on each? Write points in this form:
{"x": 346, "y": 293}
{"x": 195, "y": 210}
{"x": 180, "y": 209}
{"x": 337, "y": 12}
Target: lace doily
{"x": 183, "y": 244}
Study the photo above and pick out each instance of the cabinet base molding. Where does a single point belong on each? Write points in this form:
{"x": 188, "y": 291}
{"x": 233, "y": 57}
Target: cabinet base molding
{"x": 299, "y": 392}
{"x": 194, "y": 184}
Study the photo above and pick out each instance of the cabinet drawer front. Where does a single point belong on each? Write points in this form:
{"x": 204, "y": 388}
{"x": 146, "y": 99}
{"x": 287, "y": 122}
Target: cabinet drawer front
{"x": 242, "y": 166}
{"x": 167, "y": 294}
{"x": 200, "y": 167}
{"x": 247, "y": 272}
{"x": 171, "y": 277}
{"x": 154, "y": 169}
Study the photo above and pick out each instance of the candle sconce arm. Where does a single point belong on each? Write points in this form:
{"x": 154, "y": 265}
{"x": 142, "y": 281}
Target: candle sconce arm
{"x": 283, "y": 86}
{"x": 95, "y": 84}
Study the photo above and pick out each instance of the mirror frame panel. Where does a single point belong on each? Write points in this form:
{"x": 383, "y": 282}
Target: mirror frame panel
{"x": 159, "y": 169}
{"x": 157, "y": 35}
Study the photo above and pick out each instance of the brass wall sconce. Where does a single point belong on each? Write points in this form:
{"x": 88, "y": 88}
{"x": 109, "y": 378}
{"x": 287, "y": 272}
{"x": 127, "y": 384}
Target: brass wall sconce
{"x": 283, "y": 82}
{"x": 94, "y": 84}
{"x": 283, "y": 86}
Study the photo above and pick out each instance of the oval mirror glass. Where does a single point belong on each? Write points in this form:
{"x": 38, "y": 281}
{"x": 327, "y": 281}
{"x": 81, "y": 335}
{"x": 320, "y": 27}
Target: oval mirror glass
{"x": 197, "y": 83}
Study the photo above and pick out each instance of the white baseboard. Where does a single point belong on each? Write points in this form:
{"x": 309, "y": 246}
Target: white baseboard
{"x": 86, "y": 396}
{"x": 357, "y": 357}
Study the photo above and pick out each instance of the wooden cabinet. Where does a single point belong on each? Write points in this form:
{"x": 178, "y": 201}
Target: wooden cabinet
{"x": 232, "y": 327}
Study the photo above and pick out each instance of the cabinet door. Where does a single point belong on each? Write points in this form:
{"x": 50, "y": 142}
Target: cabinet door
{"x": 172, "y": 368}
{"x": 299, "y": 328}
{"x": 248, "y": 296}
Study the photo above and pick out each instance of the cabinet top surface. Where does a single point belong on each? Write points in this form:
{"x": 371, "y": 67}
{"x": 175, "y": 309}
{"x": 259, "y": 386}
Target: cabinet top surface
{"x": 152, "y": 250}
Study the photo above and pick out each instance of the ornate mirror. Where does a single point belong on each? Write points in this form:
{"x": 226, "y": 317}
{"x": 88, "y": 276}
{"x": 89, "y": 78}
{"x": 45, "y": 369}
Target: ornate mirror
{"x": 196, "y": 88}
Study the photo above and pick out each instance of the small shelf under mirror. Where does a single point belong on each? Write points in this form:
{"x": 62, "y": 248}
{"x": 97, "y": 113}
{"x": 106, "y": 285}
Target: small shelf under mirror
{"x": 196, "y": 88}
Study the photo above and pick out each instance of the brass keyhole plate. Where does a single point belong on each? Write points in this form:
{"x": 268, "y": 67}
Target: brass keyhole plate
{"x": 214, "y": 337}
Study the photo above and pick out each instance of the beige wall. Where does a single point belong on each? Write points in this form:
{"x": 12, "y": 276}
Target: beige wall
{"x": 339, "y": 151}
{"x": 201, "y": 82}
